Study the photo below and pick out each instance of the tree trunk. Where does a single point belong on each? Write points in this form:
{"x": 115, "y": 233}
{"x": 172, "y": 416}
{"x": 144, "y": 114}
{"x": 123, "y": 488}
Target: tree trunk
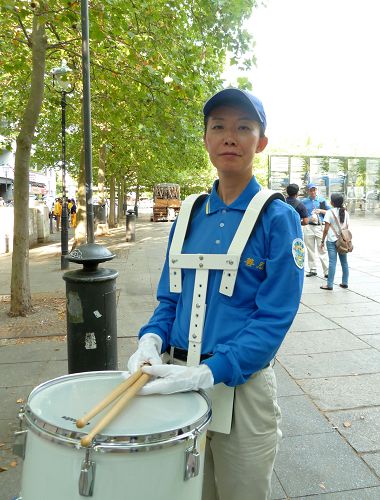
{"x": 21, "y": 301}
{"x": 102, "y": 226}
{"x": 120, "y": 201}
{"x": 111, "y": 217}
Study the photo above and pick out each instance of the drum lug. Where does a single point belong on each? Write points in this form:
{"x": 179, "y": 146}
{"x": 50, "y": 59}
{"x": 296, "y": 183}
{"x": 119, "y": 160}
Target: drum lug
{"x": 19, "y": 443}
{"x": 193, "y": 458}
{"x": 87, "y": 476}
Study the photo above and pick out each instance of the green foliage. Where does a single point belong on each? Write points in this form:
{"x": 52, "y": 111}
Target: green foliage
{"x": 153, "y": 65}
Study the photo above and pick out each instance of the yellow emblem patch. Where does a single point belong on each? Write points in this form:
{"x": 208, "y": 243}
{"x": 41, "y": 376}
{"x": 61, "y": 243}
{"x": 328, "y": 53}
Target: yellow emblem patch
{"x": 250, "y": 262}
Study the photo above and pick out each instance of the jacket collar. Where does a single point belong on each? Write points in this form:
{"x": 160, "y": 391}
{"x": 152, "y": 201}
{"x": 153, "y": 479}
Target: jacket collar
{"x": 214, "y": 203}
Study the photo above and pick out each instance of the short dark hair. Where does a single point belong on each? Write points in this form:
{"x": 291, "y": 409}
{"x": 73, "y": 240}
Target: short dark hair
{"x": 292, "y": 189}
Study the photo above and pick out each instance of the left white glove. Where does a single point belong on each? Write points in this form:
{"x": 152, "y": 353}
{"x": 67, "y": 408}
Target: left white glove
{"x": 176, "y": 378}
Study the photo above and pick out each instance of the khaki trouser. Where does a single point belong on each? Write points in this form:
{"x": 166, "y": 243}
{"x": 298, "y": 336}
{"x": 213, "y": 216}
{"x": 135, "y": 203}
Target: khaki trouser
{"x": 239, "y": 465}
{"x": 313, "y": 237}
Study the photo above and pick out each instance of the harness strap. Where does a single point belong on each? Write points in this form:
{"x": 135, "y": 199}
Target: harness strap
{"x": 203, "y": 263}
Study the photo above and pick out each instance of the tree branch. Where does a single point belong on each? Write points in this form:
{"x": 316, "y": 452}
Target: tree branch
{"x": 29, "y": 40}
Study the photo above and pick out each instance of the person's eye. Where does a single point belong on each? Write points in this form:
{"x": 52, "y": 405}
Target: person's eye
{"x": 217, "y": 127}
{"x": 244, "y": 127}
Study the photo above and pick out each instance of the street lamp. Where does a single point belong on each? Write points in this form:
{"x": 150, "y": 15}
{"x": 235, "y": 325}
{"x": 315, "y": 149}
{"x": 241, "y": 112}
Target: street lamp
{"x": 61, "y": 82}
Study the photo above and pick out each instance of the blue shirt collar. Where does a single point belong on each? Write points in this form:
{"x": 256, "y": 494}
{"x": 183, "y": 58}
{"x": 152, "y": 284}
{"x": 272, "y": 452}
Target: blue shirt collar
{"x": 214, "y": 203}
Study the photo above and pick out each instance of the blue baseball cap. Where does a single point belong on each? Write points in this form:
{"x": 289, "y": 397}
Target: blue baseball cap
{"x": 237, "y": 96}
{"x": 311, "y": 185}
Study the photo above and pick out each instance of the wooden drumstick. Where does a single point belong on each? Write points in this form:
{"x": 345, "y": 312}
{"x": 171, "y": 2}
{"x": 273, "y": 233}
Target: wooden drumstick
{"x": 116, "y": 409}
{"x": 81, "y": 422}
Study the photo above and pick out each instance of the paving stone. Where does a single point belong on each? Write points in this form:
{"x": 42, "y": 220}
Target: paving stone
{"x": 366, "y": 325}
{"x": 362, "y": 494}
{"x": 320, "y": 463}
{"x": 126, "y": 347}
{"x": 307, "y": 322}
{"x": 304, "y": 309}
{"x": 21, "y": 374}
{"x": 301, "y": 417}
{"x": 373, "y": 460}
{"x": 130, "y": 304}
{"x": 331, "y": 364}
{"x": 338, "y": 393}
{"x": 366, "y": 289}
{"x": 315, "y": 299}
{"x": 277, "y": 492}
{"x": 36, "y": 351}
{"x": 313, "y": 288}
{"x": 130, "y": 325}
{"x": 10, "y": 480}
{"x": 285, "y": 384}
{"x": 372, "y": 340}
{"x": 363, "y": 433}
{"x": 320, "y": 341}
{"x": 9, "y": 407}
{"x": 349, "y": 310}
{"x": 53, "y": 369}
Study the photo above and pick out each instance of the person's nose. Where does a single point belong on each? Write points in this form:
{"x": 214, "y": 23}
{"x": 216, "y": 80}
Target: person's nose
{"x": 230, "y": 138}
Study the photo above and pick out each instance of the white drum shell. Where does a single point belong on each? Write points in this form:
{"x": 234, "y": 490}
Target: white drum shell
{"x": 51, "y": 468}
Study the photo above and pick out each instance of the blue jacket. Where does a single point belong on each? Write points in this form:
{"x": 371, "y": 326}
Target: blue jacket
{"x": 313, "y": 204}
{"x": 243, "y": 332}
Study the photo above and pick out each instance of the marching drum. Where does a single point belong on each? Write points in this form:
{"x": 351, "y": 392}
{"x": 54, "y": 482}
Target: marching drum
{"x": 153, "y": 449}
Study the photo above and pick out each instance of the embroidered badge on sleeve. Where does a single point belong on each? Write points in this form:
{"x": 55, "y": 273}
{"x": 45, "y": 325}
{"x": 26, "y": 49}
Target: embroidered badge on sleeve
{"x": 298, "y": 251}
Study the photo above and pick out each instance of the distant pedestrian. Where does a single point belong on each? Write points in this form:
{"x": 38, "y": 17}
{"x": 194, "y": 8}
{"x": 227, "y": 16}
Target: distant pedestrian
{"x": 73, "y": 213}
{"x": 316, "y": 208}
{"x": 298, "y": 206}
{"x": 336, "y": 218}
{"x": 58, "y": 212}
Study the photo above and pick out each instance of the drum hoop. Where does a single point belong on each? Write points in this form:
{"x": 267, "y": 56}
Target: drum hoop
{"x": 107, "y": 444}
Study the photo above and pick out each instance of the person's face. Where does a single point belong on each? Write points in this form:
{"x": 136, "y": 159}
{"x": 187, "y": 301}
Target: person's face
{"x": 232, "y": 139}
{"x": 313, "y": 193}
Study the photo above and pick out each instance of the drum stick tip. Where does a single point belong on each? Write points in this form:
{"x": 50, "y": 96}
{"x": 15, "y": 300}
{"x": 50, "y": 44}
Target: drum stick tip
{"x": 80, "y": 423}
{"x": 86, "y": 441}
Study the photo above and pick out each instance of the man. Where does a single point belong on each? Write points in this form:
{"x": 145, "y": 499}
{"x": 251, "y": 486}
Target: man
{"x": 58, "y": 212}
{"x": 316, "y": 209}
{"x": 292, "y": 191}
{"x": 243, "y": 326}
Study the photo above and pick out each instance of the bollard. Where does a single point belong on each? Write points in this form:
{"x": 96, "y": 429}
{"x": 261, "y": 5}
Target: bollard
{"x": 91, "y": 311}
{"x": 130, "y": 226}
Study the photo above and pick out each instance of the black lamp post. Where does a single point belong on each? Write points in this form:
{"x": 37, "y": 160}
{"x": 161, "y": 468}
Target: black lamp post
{"x": 62, "y": 85}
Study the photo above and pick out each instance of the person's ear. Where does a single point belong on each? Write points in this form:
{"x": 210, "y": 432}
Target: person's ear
{"x": 205, "y": 142}
{"x": 263, "y": 141}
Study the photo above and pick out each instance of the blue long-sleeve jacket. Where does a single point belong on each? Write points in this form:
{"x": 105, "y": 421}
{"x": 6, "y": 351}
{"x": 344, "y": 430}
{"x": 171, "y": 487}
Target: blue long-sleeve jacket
{"x": 243, "y": 332}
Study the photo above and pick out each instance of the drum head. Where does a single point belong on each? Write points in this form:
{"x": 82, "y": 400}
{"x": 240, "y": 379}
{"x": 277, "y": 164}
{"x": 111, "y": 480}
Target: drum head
{"x": 61, "y": 401}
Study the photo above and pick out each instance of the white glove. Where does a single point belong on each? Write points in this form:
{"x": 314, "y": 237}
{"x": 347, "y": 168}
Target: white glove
{"x": 176, "y": 378}
{"x": 148, "y": 351}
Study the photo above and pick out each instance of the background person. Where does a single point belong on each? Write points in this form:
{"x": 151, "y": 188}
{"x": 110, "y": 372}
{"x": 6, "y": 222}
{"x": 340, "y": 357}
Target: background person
{"x": 312, "y": 232}
{"x": 298, "y": 206}
{"x": 330, "y": 237}
{"x": 58, "y": 212}
{"x": 73, "y": 212}
{"x": 242, "y": 332}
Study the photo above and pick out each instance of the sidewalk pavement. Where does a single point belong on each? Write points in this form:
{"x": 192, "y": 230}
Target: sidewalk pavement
{"x": 328, "y": 367}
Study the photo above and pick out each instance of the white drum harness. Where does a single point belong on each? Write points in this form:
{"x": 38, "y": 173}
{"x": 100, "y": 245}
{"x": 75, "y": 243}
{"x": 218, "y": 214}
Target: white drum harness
{"x": 203, "y": 263}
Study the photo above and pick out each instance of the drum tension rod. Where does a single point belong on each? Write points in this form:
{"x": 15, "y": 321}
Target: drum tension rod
{"x": 192, "y": 458}
{"x": 87, "y": 476}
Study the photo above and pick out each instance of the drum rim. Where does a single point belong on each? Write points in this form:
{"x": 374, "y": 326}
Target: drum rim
{"x": 104, "y": 443}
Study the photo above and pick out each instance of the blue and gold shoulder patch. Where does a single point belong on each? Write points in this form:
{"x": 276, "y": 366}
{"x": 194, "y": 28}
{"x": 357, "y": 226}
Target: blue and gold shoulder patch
{"x": 298, "y": 251}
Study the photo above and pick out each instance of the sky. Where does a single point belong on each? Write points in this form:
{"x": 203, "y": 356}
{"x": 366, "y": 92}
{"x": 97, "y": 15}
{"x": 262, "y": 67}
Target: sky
{"x": 318, "y": 73}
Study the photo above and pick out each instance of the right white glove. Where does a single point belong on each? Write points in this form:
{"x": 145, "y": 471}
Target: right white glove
{"x": 148, "y": 351}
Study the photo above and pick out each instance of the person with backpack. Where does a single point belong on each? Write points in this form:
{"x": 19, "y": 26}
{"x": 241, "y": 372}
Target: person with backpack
{"x": 298, "y": 206}
{"x": 228, "y": 294}
{"x": 337, "y": 220}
